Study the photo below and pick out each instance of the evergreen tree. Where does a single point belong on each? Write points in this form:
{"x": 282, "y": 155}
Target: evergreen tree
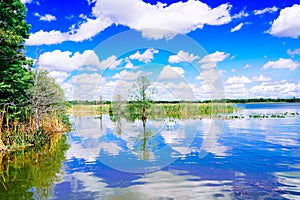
{"x": 15, "y": 76}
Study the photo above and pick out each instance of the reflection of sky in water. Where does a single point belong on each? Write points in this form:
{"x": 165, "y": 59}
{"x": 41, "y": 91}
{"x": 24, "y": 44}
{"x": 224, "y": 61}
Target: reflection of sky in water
{"x": 245, "y": 159}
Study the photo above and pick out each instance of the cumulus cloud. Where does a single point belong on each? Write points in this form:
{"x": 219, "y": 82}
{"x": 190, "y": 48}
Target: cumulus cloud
{"x": 294, "y": 52}
{"x": 145, "y": 57}
{"x": 282, "y": 63}
{"x": 284, "y": 89}
{"x": 247, "y": 66}
{"x": 261, "y": 78}
{"x": 129, "y": 75}
{"x": 182, "y": 56}
{"x": 44, "y": 37}
{"x": 287, "y": 24}
{"x": 154, "y": 21}
{"x": 59, "y": 76}
{"x": 169, "y": 72}
{"x": 237, "y": 28}
{"x": 209, "y": 75}
{"x": 237, "y": 90}
{"x": 179, "y": 17}
{"x": 241, "y": 14}
{"x": 46, "y": 17}
{"x": 85, "y": 85}
{"x": 214, "y": 57}
{"x": 66, "y": 61}
{"x": 26, "y": 1}
{"x": 86, "y": 30}
{"x": 111, "y": 63}
{"x": 266, "y": 10}
{"x": 238, "y": 80}
{"x": 129, "y": 64}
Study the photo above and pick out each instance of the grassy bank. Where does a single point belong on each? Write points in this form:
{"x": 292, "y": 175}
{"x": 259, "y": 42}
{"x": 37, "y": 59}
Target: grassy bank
{"x": 18, "y": 133}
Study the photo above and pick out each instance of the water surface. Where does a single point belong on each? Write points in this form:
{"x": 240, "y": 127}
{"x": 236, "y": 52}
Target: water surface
{"x": 246, "y": 158}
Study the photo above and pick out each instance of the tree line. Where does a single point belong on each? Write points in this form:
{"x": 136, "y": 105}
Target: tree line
{"x": 32, "y": 104}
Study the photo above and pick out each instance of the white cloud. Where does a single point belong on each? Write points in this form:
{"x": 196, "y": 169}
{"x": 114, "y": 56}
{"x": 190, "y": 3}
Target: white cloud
{"x": 207, "y": 66}
{"x": 239, "y": 15}
{"x": 66, "y": 61}
{"x": 167, "y": 91}
{"x": 111, "y": 63}
{"x": 179, "y": 17}
{"x": 237, "y": 28}
{"x": 287, "y": 24}
{"x": 145, "y": 57}
{"x": 46, "y": 17}
{"x": 238, "y": 80}
{"x": 91, "y": 1}
{"x": 247, "y": 66}
{"x": 85, "y": 31}
{"x": 85, "y": 85}
{"x": 89, "y": 29}
{"x": 261, "y": 78}
{"x": 236, "y": 90}
{"x": 26, "y": 1}
{"x": 129, "y": 64}
{"x": 169, "y": 72}
{"x": 182, "y": 56}
{"x": 282, "y": 63}
{"x": 209, "y": 75}
{"x": 60, "y": 61}
{"x": 43, "y": 37}
{"x": 293, "y": 53}
{"x": 214, "y": 57}
{"x": 283, "y": 89}
{"x": 154, "y": 21}
{"x": 129, "y": 75}
{"x": 59, "y": 76}
{"x": 266, "y": 10}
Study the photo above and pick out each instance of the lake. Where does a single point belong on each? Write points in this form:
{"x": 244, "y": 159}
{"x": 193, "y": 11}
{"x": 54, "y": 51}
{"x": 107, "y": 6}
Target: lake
{"x": 208, "y": 158}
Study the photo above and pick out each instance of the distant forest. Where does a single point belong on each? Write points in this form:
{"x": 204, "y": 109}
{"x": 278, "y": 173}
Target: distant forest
{"x": 255, "y": 100}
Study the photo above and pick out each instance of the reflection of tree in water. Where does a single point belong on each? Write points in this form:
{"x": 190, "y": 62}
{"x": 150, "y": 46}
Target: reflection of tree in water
{"x": 117, "y": 112}
{"x": 28, "y": 174}
{"x": 144, "y": 151}
{"x": 136, "y": 109}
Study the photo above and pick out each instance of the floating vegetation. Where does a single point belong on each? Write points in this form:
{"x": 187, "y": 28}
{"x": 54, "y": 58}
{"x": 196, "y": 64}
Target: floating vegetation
{"x": 260, "y": 115}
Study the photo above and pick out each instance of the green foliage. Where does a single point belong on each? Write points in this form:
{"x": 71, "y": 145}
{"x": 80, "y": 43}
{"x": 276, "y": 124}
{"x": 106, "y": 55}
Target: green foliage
{"x": 28, "y": 99}
{"x": 15, "y": 78}
{"x": 140, "y": 98}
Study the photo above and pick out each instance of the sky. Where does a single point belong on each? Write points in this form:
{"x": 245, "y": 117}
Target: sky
{"x": 189, "y": 50}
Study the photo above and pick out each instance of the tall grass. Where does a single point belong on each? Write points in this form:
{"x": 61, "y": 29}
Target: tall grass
{"x": 156, "y": 110}
{"x": 16, "y": 133}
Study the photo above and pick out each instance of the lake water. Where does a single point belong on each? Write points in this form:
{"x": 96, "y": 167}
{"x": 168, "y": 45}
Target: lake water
{"x": 104, "y": 158}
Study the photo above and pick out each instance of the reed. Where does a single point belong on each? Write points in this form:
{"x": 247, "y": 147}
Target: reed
{"x": 17, "y": 133}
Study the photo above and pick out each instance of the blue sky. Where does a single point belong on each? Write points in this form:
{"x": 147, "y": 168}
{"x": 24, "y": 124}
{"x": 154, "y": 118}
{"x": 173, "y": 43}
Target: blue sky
{"x": 190, "y": 50}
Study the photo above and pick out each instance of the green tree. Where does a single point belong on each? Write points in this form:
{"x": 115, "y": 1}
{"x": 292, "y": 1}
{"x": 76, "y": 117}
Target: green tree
{"x": 141, "y": 97}
{"x": 15, "y": 75}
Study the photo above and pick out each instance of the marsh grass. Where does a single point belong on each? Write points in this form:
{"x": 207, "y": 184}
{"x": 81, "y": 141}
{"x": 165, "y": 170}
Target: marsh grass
{"x": 18, "y": 133}
{"x": 155, "y": 110}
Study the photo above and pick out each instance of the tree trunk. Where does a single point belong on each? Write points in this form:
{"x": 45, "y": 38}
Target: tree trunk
{"x": 36, "y": 120}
